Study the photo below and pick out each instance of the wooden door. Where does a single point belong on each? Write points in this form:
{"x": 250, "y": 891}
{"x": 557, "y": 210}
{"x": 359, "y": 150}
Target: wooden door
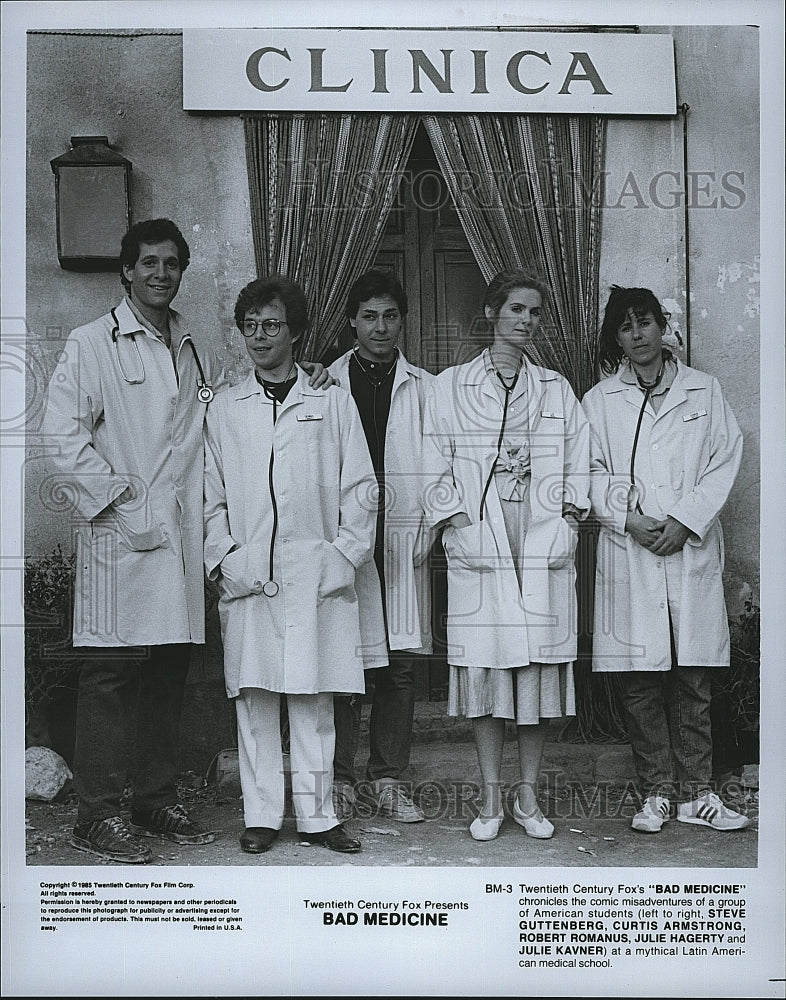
{"x": 425, "y": 246}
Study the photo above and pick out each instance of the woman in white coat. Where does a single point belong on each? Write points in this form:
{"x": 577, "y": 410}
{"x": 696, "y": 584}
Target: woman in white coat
{"x": 510, "y": 446}
{"x": 665, "y": 450}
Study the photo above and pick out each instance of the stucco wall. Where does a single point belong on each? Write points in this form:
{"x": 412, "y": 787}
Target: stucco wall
{"x": 643, "y": 241}
{"x": 188, "y": 168}
{"x": 192, "y": 169}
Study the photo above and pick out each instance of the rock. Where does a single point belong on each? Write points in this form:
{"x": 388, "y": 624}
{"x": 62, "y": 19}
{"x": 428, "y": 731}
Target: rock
{"x": 750, "y": 776}
{"x": 45, "y": 774}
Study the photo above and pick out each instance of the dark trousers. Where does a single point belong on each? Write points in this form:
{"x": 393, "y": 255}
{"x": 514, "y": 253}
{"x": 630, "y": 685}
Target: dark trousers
{"x": 390, "y": 727}
{"x": 114, "y": 689}
{"x": 670, "y": 730}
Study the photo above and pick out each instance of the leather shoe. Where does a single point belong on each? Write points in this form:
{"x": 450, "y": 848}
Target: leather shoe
{"x": 334, "y": 839}
{"x": 257, "y": 839}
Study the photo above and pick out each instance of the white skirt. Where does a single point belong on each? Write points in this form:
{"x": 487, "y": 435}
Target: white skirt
{"x": 527, "y": 693}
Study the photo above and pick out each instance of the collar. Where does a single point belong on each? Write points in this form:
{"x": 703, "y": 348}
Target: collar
{"x": 475, "y": 373}
{"x": 684, "y": 377}
{"x": 404, "y": 369}
{"x": 250, "y": 387}
{"x": 628, "y": 375}
{"x": 381, "y": 370}
{"x": 130, "y": 320}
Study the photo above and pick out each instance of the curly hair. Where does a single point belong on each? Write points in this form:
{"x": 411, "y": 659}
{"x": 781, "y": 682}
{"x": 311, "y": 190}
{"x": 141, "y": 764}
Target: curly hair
{"x": 621, "y": 302}
{"x": 262, "y": 291}
{"x": 151, "y": 231}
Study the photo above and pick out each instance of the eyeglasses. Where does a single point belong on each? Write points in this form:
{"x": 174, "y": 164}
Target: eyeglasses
{"x": 271, "y": 327}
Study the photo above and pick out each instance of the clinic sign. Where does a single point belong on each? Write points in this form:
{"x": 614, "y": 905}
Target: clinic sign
{"x": 336, "y": 69}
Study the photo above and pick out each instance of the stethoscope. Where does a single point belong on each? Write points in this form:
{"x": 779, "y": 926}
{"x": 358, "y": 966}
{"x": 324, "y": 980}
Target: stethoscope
{"x": 648, "y": 388}
{"x": 508, "y": 390}
{"x": 204, "y": 388}
{"x": 270, "y": 588}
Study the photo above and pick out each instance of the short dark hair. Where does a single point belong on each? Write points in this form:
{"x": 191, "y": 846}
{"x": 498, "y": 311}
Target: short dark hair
{"x": 374, "y": 285}
{"x": 622, "y": 301}
{"x": 262, "y": 291}
{"x": 502, "y": 284}
{"x": 151, "y": 231}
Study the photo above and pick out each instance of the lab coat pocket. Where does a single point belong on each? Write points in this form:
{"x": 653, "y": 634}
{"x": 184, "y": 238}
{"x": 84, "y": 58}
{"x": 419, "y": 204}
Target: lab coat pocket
{"x": 235, "y": 579}
{"x": 337, "y": 577}
{"x": 553, "y": 540}
{"x": 472, "y": 547}
{"x": 134, "y": 521}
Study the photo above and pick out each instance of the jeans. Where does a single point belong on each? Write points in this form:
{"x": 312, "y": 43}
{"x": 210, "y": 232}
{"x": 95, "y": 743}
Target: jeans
{"x": 390, "y": 728}
{"x": 670, "y": 730}
{"x": 114, "y": 689}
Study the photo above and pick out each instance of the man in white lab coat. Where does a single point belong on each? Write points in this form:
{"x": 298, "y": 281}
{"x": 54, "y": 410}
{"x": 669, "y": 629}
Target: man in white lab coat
{"x": 290, "y": 504}
{"x": 125, "y": 407}
{"x": 390, "y": 395}
{"x": 125, "y": 410}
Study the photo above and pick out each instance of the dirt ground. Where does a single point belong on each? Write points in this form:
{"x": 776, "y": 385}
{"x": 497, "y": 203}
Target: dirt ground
{"x": 592, "y": 820}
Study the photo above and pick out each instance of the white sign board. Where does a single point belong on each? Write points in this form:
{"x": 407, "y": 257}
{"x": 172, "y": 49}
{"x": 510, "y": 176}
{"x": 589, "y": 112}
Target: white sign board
{"x": 287, "y": 69}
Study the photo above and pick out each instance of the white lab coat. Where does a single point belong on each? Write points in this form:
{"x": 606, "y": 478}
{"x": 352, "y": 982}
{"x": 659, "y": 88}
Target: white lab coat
{"x": 313, "y": 636}
{"x": 408, "y": 538}
{"x": 139, "y": 574}
{"x": 491, "y": 621}
{"x": 687, "y": 459}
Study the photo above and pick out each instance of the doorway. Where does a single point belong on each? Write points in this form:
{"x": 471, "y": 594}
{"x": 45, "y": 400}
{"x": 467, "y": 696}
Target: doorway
{"x": 425, "y": 246}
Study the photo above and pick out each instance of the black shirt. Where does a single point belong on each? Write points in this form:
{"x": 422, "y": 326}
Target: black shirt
{"x": 371, "y": 385}
{"x": 276, "y": 390}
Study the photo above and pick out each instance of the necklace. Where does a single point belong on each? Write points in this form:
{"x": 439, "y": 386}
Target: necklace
{"x": 371, "y": 376}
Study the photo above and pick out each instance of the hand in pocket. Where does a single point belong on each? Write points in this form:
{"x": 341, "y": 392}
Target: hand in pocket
{"x": 564, "y": 548}
{"x": 235, "y": 579}
{"x": 135, "y": 523}
{"x": 338, "y": 573}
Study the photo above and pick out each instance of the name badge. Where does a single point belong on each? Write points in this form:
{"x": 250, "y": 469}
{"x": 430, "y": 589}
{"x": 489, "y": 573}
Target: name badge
{"x": 552, "y": 414}
{"x": 692, "y": 416}
{"x": 309, "y": 416}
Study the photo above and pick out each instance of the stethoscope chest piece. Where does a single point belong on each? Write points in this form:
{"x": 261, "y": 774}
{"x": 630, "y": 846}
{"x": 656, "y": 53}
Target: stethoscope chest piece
{"x": 205, "y": 393}
{"x": 270, "y": 588}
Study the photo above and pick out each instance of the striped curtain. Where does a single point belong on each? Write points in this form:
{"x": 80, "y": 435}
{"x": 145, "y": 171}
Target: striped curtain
{"x": 321, "y": 187}
{"x": 528, "y": 190}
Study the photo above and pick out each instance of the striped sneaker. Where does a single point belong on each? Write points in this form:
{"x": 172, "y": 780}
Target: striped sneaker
{"x": 172, "y": 823}
{"x": 651, "y": 818}
{"x": 111, "y": 839}
{"x": 708, "y": 810}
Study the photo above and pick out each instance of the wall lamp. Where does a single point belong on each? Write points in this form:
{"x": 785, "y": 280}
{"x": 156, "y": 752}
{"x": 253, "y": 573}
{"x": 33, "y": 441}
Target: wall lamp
{"x": 92, "y": 184}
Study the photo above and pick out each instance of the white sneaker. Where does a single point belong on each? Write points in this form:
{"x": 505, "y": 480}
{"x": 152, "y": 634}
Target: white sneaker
{"x": 652, "y": 817}
{"x": 395, "y": 802}
{"x": 708, "y": 810}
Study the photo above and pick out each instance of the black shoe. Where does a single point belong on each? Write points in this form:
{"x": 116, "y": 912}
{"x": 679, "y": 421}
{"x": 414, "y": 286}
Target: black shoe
{"x": 334, "y": 839}
{"x": 171, "y": 822}
{"x": 257, "y": 839}
{"x": 111, "y": 839}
